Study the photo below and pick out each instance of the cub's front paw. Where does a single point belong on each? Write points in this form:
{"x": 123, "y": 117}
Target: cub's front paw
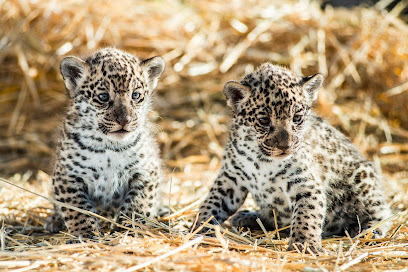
{"x": 315, "y": 247}
{"x": 84, "y": 234}
{"x": 163, "y": 211}
{"x": 202, "y": 230}
{"x": 83, "y": 237}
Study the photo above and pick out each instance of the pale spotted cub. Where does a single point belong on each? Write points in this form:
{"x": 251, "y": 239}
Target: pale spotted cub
{"x": 107, "y": 160}
{"x": 293, "y": 162}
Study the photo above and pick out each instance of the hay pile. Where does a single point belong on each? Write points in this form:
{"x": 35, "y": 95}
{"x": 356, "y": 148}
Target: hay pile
{"x": 363, "y": 54}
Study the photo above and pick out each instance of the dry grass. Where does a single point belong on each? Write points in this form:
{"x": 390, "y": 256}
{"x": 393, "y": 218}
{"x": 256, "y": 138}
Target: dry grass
{"x": 362, "y": 52}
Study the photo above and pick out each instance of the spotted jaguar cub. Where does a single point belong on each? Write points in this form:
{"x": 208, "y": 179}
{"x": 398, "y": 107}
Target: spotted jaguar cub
{"x": 293, "y": 162}
{"x": 107, "y": 161}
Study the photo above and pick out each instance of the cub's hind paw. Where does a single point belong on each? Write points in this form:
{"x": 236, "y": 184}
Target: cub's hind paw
{"x": 247, "y": 219}
{"x": 54, "y": 223}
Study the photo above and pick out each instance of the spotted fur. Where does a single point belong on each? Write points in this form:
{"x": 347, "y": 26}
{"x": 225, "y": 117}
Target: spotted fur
{"x": 293, "y": 163}
{"x": 107, "y": 161}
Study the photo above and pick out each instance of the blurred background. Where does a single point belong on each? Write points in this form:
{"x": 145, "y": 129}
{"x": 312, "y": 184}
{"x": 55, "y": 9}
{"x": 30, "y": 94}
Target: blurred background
{"x": 362, "y": 50}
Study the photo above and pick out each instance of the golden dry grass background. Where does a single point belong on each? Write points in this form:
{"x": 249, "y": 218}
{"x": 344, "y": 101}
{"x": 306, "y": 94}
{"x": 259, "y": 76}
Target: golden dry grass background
{"x": 362, "y": 52}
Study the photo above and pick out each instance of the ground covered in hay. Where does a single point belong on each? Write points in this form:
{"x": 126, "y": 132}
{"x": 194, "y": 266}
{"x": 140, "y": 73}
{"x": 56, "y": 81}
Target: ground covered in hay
{"x": 362, "y": 52}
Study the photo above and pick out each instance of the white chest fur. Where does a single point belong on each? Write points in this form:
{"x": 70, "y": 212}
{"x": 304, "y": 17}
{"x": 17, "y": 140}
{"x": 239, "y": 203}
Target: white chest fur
{"x": 266, "y": 178}
{"x": 111, "y": 174}
{"x": 106, "y": 171}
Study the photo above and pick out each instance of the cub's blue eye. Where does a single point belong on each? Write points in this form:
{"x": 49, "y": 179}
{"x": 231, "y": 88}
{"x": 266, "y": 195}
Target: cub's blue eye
{"x": 104, "y": 97}
{"x": 135, "y": 96}
{"x": 264, "y": 121}
{"x": 297, "y": 118}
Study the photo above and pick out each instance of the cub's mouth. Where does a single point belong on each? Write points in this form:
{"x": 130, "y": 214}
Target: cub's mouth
{"x": 120, "y": 133}
{"x": 275, "y": 153}
{"x": 282, "y": 155}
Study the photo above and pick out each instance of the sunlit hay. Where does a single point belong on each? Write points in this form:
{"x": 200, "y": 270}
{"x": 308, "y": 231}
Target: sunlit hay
{"x": 361, "y": 52}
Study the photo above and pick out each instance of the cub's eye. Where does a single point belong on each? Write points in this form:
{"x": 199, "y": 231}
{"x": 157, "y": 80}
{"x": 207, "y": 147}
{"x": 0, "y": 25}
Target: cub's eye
{"x": 264, "y": 121}
{"x": 297, "y": 118}
{"x": 135, "y": 96}
{"x": 104, "y": 97}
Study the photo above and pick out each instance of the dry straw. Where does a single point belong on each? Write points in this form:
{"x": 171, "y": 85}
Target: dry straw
{"x": 362, "y": 53}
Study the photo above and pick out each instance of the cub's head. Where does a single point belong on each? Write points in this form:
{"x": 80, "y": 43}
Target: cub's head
{"x": 110, "y": 90}
{"x": 274, "y": 103}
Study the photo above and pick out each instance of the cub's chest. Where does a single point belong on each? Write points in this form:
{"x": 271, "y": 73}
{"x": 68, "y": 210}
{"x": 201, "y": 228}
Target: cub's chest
{"x": 259, "y": 173}
{"x": 264, "y": 177}
{"x": 106, "y": 175}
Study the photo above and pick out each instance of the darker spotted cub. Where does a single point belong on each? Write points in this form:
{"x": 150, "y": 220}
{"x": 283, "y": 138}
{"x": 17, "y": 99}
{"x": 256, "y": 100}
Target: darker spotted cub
{"x": 293, "y": 163}
{"x": 107, "y": 160}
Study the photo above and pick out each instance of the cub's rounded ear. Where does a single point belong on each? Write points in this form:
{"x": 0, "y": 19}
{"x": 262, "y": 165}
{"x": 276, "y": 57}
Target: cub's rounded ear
{"x": 73, "y": 71}
{"x": 235, "y": 92}
{"x": 153, "y": 68}
{"x": 312, "y": 84}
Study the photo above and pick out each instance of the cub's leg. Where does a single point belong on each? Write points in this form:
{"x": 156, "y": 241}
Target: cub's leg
{"x": 141, "y": 197}
{"x": 373, "y": 207}
{"x": 71, "y": 190}
{"x": 223, "y": 200}
{"x": 308, "y": 213}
